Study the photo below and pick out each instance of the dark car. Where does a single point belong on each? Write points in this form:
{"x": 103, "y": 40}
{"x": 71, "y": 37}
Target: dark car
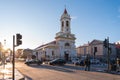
{"x": 57, "y": 62}
{"x": 33, "y": 61}
{"x": 80, "y": 63}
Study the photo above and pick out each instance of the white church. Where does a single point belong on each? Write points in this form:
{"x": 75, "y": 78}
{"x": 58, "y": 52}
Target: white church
{"x": 64, "y": 44}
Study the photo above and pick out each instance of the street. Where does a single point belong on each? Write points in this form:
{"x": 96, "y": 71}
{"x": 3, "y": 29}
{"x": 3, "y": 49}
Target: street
{"x": 66, "y": 72}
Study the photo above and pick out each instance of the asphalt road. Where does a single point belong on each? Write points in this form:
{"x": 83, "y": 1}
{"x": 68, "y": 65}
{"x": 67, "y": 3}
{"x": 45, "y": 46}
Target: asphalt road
{"x": 67, "y": 72}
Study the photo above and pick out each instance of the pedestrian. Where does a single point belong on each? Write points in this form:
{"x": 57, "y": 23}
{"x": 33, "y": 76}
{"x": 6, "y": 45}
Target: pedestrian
{"x": 118, "y": 65}
{"x": 87, "y": 64}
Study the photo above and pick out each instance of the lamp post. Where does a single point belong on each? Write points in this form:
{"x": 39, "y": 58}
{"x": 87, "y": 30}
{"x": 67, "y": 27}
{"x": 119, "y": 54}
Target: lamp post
{"x": 4, "y": 50}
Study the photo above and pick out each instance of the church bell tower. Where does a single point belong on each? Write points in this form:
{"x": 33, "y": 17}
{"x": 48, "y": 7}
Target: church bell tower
{"x": 65, "y": 22}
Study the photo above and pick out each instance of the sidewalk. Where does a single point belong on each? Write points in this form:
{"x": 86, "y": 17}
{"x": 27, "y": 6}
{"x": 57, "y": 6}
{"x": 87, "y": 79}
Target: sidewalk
{"x": 6, "y": 73}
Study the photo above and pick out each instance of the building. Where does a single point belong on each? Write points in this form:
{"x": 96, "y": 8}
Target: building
{"x": 26, "y": 53}
{"x": 96, "y": 49}
{"x": 19, "y": 52}
{"x": 64, "y": 44}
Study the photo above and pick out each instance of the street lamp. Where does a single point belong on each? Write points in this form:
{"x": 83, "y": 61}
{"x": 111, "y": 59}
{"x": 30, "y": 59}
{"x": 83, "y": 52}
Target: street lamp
{"x": 4, "y": 57}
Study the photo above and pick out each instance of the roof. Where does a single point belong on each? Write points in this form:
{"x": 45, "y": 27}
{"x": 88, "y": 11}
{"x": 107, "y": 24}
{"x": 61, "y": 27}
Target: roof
{"x": 65, "y": 14}
{"x": 95, "y": 41}
{"x": 65, "y": 11}
{"x": 52, "y": 42}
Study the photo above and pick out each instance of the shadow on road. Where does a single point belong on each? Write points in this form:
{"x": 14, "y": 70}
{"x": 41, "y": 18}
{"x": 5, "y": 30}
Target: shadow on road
{"x": 57, "y": 68}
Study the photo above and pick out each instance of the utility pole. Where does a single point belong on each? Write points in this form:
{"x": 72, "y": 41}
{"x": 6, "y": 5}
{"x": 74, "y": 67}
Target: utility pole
{"x": 13, "y": 61}
{"x": 108, "y": 54}
{"x": 107, "y": 46}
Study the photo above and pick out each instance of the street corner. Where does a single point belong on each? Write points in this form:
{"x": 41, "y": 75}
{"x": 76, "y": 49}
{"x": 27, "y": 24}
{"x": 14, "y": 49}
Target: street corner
{"x": 19, "y": 75}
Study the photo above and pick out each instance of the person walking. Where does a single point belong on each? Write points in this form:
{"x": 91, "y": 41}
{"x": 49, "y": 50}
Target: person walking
{"x": 87, "y": 64}
{"x": 118, "y": 65}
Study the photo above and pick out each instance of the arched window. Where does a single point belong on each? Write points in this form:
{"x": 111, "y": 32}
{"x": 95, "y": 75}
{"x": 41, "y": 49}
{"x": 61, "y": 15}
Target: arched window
{"x": 67, "y": 23}
{"x": 53, "y": 53}
{"x": 67, "y": 44}
{"x": 62, "y": 23}
{"x": 45, "y": 53}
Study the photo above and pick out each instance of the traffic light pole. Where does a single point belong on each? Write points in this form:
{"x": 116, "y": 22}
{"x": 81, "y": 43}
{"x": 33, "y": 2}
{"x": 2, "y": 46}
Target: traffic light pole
{"x": 13, "y": 67}
{"x": 18, "y": 42}
{"x": 107, "y": 46}
{"x": 108, "y": 54}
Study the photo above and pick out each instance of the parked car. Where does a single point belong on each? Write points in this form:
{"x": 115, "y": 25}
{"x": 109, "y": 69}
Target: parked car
{"x": 33, "y": 61}
{"x": 94, "y": 61}
{"x": 80, "y": 63}
{"x": 8, "y": 59}
{"x": 58, "y": 61}
{"x": 75, "y": 60}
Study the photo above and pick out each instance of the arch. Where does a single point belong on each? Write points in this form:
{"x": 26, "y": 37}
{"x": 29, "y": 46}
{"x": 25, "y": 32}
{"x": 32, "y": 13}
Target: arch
{"x": 62, "y": 23}
{"x": 66, "y": 55}
{"x": 53, "y": 53}
{"x": 67, "y": 23}
{"x": 67, "y": 44}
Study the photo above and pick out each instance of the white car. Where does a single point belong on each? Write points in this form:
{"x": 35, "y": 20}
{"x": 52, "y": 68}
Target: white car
{"x": 75, "y": 60}
{"x": 94, "y": 61}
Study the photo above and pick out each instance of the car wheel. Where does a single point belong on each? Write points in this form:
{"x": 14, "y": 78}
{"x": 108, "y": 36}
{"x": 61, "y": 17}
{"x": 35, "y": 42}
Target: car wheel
{"x": 28, "y": 64}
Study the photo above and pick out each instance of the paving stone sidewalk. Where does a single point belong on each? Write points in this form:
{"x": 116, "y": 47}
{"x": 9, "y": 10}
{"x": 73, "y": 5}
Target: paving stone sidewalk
{"x": 6, "y": 73}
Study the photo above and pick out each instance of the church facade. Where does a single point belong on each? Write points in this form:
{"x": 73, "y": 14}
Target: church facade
{"x": 64, "y": 44}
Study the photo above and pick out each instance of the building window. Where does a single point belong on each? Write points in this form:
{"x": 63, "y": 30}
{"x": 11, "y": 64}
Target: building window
{"x": 67, "y": 44}
{"x": 45, "y": 53}
{"x": 67, "y": 23}
{"x": 62, "y": 23}
{"x": 53, "y": 53}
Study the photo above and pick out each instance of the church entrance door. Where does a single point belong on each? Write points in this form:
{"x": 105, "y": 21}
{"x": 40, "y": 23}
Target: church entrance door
{"x": 66, "y": 56}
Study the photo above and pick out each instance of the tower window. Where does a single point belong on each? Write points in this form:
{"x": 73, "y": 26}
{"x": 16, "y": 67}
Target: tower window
{"x": 67, "y": 23}
{"x": 52, "y": 53}
{"x": 62, "y": 23}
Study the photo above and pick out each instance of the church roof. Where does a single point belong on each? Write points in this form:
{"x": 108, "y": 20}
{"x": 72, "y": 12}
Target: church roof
{"x": 52, "y": 42}
{"x": 65, "y": 14}
{"x": 95, "y": 41}
{"x": 65, "y": 11}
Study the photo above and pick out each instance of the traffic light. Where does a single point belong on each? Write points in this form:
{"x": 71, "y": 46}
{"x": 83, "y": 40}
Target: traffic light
{"x": 18, "y": 39}
{"x": 105, "y": 43}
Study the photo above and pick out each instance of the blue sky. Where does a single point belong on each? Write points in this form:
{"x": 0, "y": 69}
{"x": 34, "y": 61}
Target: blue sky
{"x": 39, "y": 20}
